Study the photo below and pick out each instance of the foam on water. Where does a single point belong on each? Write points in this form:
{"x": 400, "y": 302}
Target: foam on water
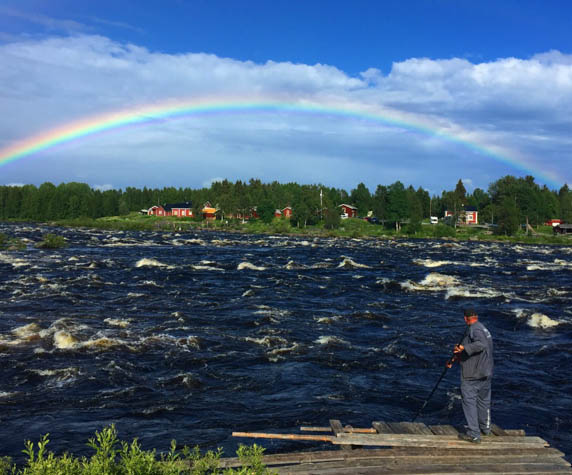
{"x": 206, "y": 267}
{"x": 291, "y": 265}
{"x": 473, "y": 293}
{"x": 330, "y": 340}
{"x": 115, "y": 322}
{"x": 432, "y": 282}
{"x": 147, "y": 262}
{"x": 269, "y": 340}
{"x": 27, "y": 332}
{"x": 536, "y": 320}
{"x": 64, "y": 340}
{"x": 6, "y": 395}
{"x": 539, "y": 320}
{"x": 248, "y": 265}
{"x": 431, "y": 263}
{"x": 16, "y": 262}
{"x": 349, "y": 263}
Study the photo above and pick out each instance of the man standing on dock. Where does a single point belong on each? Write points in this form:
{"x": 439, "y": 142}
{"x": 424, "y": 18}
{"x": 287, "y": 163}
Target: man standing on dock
{"x": 475, "y": 354}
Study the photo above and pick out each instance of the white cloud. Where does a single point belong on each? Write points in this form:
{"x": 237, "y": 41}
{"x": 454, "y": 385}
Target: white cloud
{"x": 49, "y": 23}
{"x": 520, "y": 109}
{"x": 102, "y": 187}
{"x": 210, "y": 181}
{"x": 467, "y": 182}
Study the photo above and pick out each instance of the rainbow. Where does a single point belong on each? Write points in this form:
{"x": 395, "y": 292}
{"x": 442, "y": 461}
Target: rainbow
{"x": 187, "y": 108}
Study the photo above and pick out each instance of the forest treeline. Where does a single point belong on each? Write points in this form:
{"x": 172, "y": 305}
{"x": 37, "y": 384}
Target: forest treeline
{"x": 509, "y": 201}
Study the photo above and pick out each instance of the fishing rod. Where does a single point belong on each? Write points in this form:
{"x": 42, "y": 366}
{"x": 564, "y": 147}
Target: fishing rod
{"x": 447, "y": 366}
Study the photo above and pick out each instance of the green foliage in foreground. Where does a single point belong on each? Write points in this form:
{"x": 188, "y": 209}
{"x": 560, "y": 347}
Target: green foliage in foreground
{"x": 115, "y": 457}
{"x": 10, "y": 244}
{"x": 52, "y": 241}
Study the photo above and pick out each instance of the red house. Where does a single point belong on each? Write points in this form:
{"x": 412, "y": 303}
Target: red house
{"x": 287, "y": 212}
{"x": 348, "y": 211}
{"x": 471, "y": 215}
{"x": 209, "y": 211}
{"x": 181, "y": 210}
{"x": 468, "y": 215}
{"x": 553, "y": 222}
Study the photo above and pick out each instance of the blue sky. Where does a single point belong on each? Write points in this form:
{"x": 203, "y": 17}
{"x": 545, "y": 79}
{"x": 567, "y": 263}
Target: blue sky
{"x": 494, "y": 74}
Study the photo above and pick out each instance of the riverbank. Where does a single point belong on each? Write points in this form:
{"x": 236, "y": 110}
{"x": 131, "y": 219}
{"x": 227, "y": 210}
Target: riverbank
{"x": 349, "y": 228}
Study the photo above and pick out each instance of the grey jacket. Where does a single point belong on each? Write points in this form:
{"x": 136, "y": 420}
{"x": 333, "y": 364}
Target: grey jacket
{"x": 477, "y": 358}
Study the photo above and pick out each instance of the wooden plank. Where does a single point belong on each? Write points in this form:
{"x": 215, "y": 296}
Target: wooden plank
{"x": 420, "y": 465}
{"x": 490, "y": 441}
{"x": 382, "y": 428}
{"x": 374, "y": 467}
{"x": 515, "y": 432}
{"x": 428, "y": 454}
{"x": 338, "y": 429}
{"x": 336, "y": 426}
{"x": 409, "y": 428}
{"x": 443, "y": 430}
{"x": 496, "y": 430}
{"x": 262, "y": 435}
{"x": 422, "y": 460}
{"x": 350, "y": 429}
{"x": 435, "y": 441}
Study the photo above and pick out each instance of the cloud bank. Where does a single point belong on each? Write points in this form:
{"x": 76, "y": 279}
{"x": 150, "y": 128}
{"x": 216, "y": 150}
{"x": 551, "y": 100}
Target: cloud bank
{"x": 520, "y": 108}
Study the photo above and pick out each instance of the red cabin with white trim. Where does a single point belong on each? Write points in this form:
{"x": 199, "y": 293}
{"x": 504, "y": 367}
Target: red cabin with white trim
{"x": 180, "y": 210}
{"x": 348, "y": 211}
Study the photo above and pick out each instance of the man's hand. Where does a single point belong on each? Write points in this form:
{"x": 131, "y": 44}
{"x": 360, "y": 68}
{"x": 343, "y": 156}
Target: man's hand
{"x": 458, "y": 349}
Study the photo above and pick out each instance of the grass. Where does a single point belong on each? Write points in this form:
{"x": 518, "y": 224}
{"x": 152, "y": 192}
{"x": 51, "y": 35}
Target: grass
{"x": 115, "y": 457}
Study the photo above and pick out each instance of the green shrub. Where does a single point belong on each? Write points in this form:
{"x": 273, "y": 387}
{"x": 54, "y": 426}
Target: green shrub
{"x": 281, "y": 226}
{"x": 412, "y": 228}
{"x": 115, "y": 457}
{"x": 332, "y": 220}
{"x": 10, "y": 244}
{"x": 52, "y": 241}
{"x": 442, "y": 230}
{"x": 6, "y": 466}
{"x": 251, "y": 459}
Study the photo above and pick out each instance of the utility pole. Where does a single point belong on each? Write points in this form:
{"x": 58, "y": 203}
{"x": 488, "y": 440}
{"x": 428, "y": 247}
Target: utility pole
{"x": 321, "y": 206}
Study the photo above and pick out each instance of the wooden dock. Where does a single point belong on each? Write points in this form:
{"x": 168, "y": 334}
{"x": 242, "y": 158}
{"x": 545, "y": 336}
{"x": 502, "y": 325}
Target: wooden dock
{"x": 411, "y": 448}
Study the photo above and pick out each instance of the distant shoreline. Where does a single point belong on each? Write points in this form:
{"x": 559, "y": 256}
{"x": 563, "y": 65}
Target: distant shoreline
{"x": 352, "y": 228}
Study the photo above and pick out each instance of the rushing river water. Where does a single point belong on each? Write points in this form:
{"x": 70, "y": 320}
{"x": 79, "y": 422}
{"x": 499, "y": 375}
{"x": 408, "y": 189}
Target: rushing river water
{"x": 192, "y": 336}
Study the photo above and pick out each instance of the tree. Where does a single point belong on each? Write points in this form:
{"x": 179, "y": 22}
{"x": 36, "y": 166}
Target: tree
{"x": 565, "y": 198}
{"x": 333, "y": 219}
{"x": 508, "y": 220}
{"x": 361, "y": 199}
{"x": 380, "y": 202}
{"x": 300, "y": 213}
{"x": 397, "y": 204}
{"x": 266, "y": 211}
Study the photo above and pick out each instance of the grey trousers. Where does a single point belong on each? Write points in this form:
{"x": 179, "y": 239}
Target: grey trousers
{"x": 477, "y": 405}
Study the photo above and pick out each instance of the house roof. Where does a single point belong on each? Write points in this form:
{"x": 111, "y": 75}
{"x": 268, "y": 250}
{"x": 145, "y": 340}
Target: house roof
{"x": 184, "y": 205}
{"x": 347, "y": 206}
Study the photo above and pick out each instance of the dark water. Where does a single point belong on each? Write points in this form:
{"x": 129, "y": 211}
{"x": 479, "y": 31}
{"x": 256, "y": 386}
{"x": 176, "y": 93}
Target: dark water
{"x": 192, "y": 336}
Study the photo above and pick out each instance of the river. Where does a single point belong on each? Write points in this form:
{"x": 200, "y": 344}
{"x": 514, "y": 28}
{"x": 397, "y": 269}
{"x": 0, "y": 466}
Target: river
{"x": 193, "y": 335}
